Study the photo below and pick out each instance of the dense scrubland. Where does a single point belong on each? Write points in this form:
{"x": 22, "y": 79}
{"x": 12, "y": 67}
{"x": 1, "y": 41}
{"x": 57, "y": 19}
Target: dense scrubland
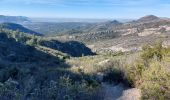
{"x": 51, "y": 77}
{"x": 34, "y": 67}
{"x": 147, "y": 70}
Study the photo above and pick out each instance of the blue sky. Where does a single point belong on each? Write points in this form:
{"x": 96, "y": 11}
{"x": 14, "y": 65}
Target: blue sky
{"x": 85, "y": 8}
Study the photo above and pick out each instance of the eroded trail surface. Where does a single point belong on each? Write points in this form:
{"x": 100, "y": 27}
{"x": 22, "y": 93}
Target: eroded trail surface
{"x": 119, "y": 92}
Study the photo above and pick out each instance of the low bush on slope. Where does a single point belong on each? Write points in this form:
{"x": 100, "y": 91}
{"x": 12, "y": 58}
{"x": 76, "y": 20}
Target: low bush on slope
{"x": 149, "y": 73}
{"x": 71, "y": 48}
{"x": 29, "y": 73}
{"x": 147, "y": 70}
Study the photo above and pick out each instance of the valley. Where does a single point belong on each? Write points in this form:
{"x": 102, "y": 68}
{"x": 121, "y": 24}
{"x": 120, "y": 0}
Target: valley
{"x": 115, "y": 36}
{"x": 108, "y": 60}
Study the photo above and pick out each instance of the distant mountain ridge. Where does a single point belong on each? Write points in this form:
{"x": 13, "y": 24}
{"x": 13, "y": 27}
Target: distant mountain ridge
{"x": 70, "y": 28}
{"x": 128, "y": 36}
{"x": 148, "y": 18}
{"x": 14, "y": 19}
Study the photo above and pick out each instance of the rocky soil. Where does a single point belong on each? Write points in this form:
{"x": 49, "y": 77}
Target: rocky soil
{"x": 119, "y": 92}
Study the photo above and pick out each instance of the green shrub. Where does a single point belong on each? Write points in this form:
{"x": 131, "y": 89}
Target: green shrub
{"x": 134, "y": 72}
{"x": 152, "y": 91}
{"x": 32, "y": 42}
{"x": 156, "y": 82}
{"x": 65, "y": 89}
{"x": 150, "y": 52}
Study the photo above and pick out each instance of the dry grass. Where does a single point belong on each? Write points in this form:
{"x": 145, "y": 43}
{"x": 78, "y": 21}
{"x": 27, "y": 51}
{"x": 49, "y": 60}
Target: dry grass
{"x": 152, "y": 76}
{"x": 93, "y": 64}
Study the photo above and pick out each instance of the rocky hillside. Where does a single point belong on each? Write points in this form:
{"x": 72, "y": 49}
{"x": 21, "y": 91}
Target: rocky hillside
{"x": 127, "y": 36}
{"x": 150, "y": 24}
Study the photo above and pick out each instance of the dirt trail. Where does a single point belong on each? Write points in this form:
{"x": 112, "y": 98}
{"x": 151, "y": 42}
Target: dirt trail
{"x": 119, "y": 92}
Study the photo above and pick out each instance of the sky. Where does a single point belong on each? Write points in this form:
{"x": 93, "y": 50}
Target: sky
{"x": 85, "y": 8}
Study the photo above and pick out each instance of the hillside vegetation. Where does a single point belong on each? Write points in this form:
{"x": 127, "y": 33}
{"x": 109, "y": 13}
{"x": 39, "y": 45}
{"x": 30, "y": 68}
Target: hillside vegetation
{"x": 71, "y": 48}
{"x": 17, "y": 27}
{"x": 147, "y": 70}
{"x": 31, "y": 72}
{"x": 35, "y": 67}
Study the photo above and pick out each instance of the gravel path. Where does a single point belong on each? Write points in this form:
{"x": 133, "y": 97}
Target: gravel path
{"x": 119, "y": 92}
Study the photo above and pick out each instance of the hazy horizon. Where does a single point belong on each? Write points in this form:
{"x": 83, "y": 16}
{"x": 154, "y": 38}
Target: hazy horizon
{"x": 92, "y": 9}
{"x": 64, "y": 19}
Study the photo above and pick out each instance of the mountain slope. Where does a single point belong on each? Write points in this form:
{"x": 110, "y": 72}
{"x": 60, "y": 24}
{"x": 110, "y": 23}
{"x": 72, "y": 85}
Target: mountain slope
{"x": 128, "y": 36}
{"x": 109, "y": 25}
{"x": 13, "y": 51}
{"x": 72, "y": 48}
{"x": 148, "y": 18}
{"x": 17, "y": 27}
{"x": 28, "y": 73}
{"x": 14, "y": 19}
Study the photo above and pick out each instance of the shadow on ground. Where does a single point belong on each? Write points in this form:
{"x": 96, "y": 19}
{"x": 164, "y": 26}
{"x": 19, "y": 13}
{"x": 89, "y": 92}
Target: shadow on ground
{"x": 72, "y": 48}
